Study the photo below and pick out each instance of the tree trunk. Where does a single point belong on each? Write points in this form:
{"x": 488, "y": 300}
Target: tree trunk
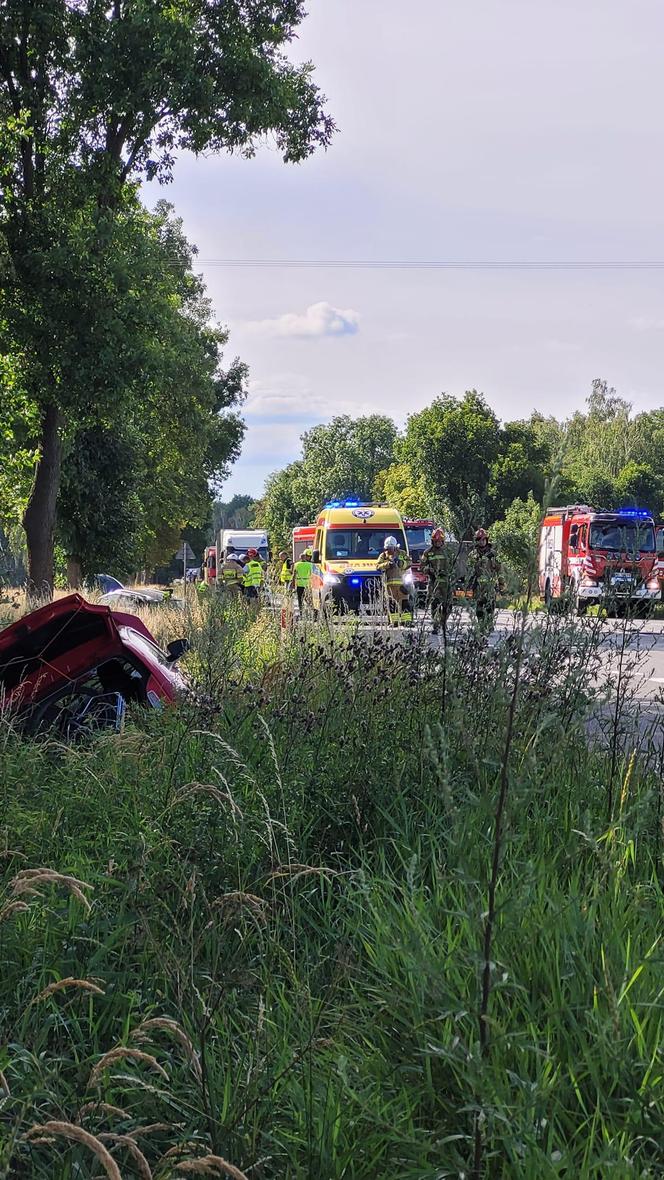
{"x": 39, "y": 515}
{"x": 74, "y": 571}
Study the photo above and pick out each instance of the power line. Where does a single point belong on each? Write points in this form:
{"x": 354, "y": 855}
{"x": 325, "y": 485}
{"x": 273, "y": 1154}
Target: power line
{"x": 413, "y": 264}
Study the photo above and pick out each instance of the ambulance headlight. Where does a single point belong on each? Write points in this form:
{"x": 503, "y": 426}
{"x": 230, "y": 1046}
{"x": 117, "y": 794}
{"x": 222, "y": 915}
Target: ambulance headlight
{"x": 331, "y": 579}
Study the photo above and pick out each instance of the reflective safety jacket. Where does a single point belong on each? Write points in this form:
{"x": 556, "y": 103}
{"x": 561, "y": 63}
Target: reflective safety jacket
{"x": 393, "y": 565}
{"x": 286, "y": 573}
{"x": 253, "y": 573}
{"x": 302, "y": 573}
{"x": 232, "y": 573}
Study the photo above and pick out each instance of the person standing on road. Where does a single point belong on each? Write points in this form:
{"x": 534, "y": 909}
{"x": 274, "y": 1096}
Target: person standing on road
{"x": 301, "y": 577}
{"x": 439, "y": 564}
{"x": 484, "y": 578}
{"x": 252, "y": 575}
{"x": 231, "y": 573}
{"x": 393, "y": 563}
{"x": 285, "y": 570}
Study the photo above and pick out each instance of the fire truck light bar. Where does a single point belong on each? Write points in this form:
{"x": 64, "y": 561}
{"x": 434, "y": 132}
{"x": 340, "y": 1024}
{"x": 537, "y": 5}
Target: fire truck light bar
{"x": 639, "y": 513}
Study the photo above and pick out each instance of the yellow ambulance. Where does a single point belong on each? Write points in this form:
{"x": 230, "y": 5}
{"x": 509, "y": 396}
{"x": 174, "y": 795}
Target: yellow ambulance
{"x": 350, "y": 537}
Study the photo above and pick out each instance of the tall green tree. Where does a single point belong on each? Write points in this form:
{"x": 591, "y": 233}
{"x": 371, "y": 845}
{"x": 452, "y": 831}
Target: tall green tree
{"x": 93, "y": 97}
{"x": 452, "y": 445}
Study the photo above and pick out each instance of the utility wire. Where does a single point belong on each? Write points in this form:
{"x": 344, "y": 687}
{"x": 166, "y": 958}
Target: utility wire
{"x": 407, "y": 264}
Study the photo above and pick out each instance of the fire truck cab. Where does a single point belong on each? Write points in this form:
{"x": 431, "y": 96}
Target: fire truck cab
{"x": 588, "y": 555}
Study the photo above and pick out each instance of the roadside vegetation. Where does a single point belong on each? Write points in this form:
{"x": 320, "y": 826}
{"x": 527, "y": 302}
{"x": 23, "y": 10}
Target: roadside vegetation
{"x": 363, "y": 909}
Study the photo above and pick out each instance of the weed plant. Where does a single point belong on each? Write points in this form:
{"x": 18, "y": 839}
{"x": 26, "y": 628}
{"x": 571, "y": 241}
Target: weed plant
{"x": 247, "y": 937}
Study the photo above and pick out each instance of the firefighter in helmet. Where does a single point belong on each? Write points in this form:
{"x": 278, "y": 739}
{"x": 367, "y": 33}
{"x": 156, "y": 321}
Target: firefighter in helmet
{"x": 231, "y": 574}
{"x": 439, "y": 564}
{"x": 252, "y": 571}
{"x": 485, "y": 579}
{"x": 393, "y": 563}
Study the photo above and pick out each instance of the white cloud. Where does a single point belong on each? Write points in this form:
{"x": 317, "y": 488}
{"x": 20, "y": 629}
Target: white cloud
{"x": 319, "y": 319}
{"x": 643, "y": 323}
{"x": 289, "y": 397}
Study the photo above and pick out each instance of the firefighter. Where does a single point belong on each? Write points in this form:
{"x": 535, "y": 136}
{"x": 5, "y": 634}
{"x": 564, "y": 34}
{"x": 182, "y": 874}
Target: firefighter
{"x": 231, "y": 573}
{"x": 394, "y": 562}
{"x": 485, "y": 578}
{"x": 252, "y": 572}
{"x": 438, "y": 563}
{"x": 301, "y": 577}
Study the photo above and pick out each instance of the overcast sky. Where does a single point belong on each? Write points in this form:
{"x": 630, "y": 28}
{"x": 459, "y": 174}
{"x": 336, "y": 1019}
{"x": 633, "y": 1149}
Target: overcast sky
{"x": 485, "y": 131}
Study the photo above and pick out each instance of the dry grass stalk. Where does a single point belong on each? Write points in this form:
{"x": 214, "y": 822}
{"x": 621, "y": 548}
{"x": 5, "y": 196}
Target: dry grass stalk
{"x": 13, "y": 907}
{"x": 103, "y": 1108}
{"x": 166, "y": 1024}
{"x": 150, "y": 1129}
{"x": 211, "y": 1165}
{"x": 77, "y": 1135}
{"x": 61, "y": 984}
{"x": 118, "y": 1054}
{"x": 294, "y": 870}
{"x": 233, "y": 903}
{"x": 27, "y": 882}
{"x": 4, "y": 1085}
{"x": 192, "y": 789}
{"x": 142, "y": 1166}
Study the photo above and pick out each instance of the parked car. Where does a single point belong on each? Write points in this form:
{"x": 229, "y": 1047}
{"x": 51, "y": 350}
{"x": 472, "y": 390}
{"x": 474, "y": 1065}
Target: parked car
{"x": 124, "y": 597}
{"x": 72, "y": 667}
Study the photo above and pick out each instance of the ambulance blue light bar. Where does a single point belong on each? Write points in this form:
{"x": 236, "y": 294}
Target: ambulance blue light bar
{"x": 343, "y": 504}
{"x": 637, "y": 513}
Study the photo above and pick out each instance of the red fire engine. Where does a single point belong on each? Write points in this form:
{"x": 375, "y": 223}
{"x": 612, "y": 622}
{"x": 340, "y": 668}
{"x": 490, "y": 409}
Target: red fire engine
{"x": 588, "y": 555}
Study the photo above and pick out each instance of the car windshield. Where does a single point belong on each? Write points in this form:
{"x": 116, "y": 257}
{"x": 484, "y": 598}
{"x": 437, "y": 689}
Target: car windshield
{"x": 364, "y": 544}
{"x": 620, "y": 537}
{"x": 419, "y": 539}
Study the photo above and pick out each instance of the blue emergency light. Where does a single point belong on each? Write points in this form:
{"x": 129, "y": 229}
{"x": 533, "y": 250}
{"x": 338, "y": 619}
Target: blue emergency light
{"x": 355, "y": 581}
{"x": 343, "y": 504}
{"x": 637, "y": 513}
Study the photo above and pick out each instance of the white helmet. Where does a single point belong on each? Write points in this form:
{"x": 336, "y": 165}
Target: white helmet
{"x": 391, "y": 543}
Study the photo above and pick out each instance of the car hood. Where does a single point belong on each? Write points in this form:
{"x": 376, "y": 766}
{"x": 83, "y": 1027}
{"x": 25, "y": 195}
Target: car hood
{"x": 63, "y": 641}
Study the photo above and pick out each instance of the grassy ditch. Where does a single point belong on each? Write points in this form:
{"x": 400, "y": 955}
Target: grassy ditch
{"x": 255, "y": 930}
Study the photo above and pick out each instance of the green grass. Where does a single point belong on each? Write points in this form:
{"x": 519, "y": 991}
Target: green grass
{"x": 296, "y": 872}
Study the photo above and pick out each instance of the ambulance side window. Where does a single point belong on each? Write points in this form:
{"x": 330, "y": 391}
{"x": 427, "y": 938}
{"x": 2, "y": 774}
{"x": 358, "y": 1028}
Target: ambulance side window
{"x": 318, "y": 547}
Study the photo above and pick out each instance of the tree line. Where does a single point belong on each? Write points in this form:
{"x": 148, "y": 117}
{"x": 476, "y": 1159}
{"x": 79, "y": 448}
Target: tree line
{"x": 456, "y": 461}
{"x": 119, "y": 413}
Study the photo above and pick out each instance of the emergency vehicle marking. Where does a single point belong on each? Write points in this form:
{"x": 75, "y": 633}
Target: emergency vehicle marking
{"x": 363, "y": 513}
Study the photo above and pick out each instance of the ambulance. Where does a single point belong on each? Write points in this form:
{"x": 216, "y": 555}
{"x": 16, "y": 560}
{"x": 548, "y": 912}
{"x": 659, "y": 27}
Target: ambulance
{"x": 350, "y": 537}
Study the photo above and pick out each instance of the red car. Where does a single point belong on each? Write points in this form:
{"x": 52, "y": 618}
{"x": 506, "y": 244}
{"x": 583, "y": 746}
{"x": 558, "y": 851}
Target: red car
{"x": 73, "y": 666}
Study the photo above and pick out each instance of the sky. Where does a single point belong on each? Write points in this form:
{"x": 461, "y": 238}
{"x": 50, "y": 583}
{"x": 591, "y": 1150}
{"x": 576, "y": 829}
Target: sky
{"x": 498, "y": 131}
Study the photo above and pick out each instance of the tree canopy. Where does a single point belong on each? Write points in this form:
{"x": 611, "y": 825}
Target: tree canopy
{"x": 93, "y": 98}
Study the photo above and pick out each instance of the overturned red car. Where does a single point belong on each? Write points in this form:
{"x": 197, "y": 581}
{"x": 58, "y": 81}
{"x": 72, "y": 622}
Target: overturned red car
{"x": 73, "y": 667}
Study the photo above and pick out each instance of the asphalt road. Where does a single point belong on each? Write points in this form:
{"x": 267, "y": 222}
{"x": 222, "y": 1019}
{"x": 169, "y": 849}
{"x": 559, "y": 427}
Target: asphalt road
{"x": 644, "y": 641}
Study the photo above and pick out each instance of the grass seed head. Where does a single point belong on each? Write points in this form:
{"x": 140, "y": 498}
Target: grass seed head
{"x": 62, "y": 984}
{"x": 142, "y": 1166}
{"x": 166, "y": 1024}
{"x": 211, "y": 1165}
{"x": 54, "y": 1128}
{"x": 120, "y": 1053}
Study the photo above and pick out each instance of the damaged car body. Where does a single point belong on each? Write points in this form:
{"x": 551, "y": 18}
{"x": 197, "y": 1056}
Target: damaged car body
{"x": 73, "y": 667}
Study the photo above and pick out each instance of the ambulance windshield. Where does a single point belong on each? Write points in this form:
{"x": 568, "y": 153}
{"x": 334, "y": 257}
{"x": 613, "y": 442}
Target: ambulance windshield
{"x": 363, "y": 544}
{"x": 621, "y": 536}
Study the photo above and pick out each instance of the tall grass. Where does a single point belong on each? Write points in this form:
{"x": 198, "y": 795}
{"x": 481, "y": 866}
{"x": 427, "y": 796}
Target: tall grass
{"x": 275, "y": 963}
